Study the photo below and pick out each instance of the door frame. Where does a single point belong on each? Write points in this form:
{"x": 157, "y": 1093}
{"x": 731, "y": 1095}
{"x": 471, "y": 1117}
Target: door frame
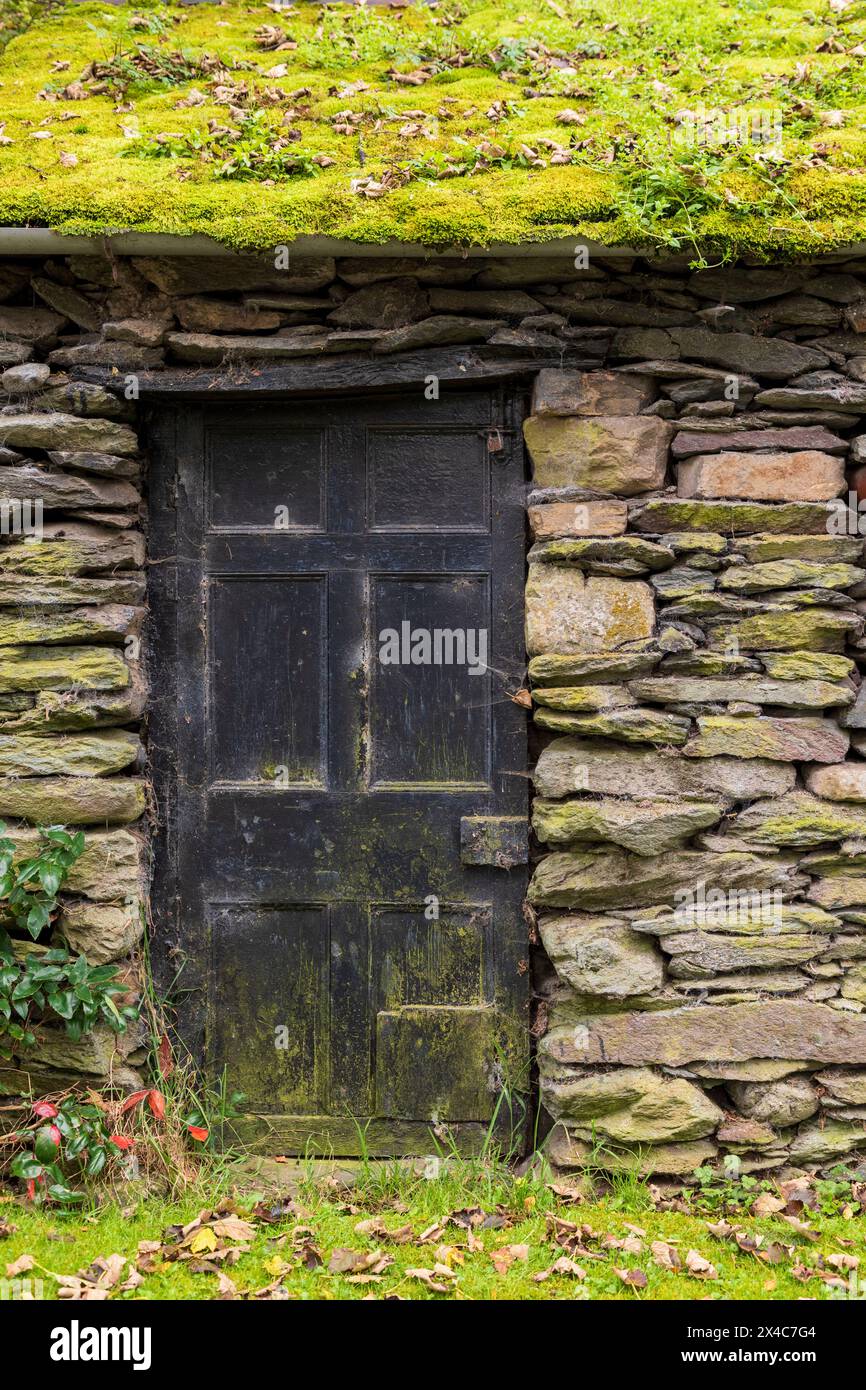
{"x": 181, "y": 978}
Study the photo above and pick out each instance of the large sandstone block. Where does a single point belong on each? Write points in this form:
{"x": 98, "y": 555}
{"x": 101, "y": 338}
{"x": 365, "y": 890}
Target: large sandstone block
{"x": 767, "y": 1028}
{"x": 603, "y": 956}
{"x": 806, "y": 476}
{"x": 566, "y": 612}
{"x": 591, "y": 393}
{"x": 622, "y": 454}
{"x": 570, "y": 765}
{"x": 553, "y": 520}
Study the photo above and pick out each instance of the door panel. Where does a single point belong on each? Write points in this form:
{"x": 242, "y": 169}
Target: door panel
{"x": 343, "y": 596}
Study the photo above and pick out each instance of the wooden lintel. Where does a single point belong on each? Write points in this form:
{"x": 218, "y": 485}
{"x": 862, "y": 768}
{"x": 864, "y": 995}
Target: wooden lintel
{"x": 358, "y": 372}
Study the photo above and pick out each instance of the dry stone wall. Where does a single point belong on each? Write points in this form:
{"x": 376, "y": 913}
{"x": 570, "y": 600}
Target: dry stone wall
{"x": 695, "y": 595}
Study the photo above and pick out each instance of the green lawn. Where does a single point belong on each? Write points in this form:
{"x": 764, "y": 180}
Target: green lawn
{"x": 478, "y": 1232}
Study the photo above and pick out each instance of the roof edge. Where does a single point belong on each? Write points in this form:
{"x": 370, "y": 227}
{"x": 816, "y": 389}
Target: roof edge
{"x": 41, "y": 241}
{"x": 38, "y": 241}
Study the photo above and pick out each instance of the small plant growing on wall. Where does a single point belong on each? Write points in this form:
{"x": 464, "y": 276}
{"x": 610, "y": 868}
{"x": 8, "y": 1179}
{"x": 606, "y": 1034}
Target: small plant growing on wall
{"x": 38, "y": 984}
{"x": 69, "y": 1138}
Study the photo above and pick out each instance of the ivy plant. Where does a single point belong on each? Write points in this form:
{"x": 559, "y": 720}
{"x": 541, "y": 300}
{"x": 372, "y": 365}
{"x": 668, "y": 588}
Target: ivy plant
{"x": 30, "y": 884}
{"x": 36, "y": 983}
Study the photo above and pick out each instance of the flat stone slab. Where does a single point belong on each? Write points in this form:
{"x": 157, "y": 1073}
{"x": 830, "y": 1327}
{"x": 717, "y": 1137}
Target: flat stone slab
{"x": 614, "y": 879}
{"x": 757, "y": 690}
{"x": 768, "y": 1028}
{"x": 776, "y": 358}
{"x": 644, "y": 827}
{"x": 789, "y": 740}
{"x": 730, "y": 518}
{"x": 790, "y": 573}
{"x": 688, "y": 442}
{"x": 59, "y": 431}
{"x": 568, "y": 765}
{"x": 799, "y": 820}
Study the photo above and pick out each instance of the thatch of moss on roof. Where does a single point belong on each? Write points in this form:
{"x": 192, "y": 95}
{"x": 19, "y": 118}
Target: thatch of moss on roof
{"x": 464, "y": 123}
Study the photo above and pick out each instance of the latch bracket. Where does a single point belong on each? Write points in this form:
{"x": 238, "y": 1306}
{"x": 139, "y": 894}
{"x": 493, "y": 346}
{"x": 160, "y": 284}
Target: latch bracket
{"x": 499, "y": 842}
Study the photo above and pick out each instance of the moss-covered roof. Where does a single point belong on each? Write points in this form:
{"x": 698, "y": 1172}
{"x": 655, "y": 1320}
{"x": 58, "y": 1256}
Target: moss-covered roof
{"x": 464, "y": 123}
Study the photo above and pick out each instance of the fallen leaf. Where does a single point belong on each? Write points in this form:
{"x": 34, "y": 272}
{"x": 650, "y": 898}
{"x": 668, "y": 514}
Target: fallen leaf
{"x": 428, "y": 1277}
{"x": 503, "y": 1258}
{"x": 233, "y": 1228}
{"x": 202, "y": 1240}
{"x": 801, "y": 1228}
{"x": 844, "y": 1261}
{"x": 666, "y": 1256}
{"x": 700, "y": 1268}
{"x": 562, "y": 1266}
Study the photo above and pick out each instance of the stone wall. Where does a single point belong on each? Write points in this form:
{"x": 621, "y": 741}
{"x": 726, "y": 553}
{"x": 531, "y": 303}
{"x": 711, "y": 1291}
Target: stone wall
{"x": 694, "y": 628}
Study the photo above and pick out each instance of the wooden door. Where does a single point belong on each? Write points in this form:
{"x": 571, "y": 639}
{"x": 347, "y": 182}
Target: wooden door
{"x": 342, "y": 797}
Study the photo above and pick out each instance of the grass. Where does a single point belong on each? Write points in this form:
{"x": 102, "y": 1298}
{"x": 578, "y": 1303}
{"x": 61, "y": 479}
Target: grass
{"x": 508, "y": 1211}
{"x": 190, "y": 85}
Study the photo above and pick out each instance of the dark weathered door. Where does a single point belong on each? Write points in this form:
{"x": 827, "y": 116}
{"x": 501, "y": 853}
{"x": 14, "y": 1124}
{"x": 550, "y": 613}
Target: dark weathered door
{"x": 319, "y": 757}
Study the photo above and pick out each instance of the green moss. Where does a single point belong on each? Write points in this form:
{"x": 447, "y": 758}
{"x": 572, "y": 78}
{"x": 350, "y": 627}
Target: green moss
{"x": 491, "y": 87}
